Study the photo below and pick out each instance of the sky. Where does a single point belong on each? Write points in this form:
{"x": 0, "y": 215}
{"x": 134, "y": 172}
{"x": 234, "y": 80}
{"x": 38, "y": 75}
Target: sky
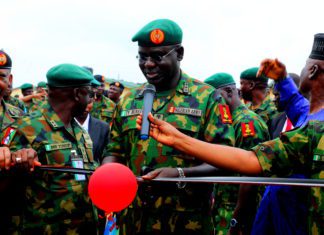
{"x": 218, "y": 35}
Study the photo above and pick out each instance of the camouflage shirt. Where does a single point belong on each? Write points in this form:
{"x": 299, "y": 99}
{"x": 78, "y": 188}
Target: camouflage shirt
{"x": 17, "y": 103}
{"x": 103, "y": 109}
{"x": 32, "y": 105}
{"x": 267, "y": 110}
{"x": 55, "y": 202}
{"x": 250, "y": 130}
{"x": 192, "y": 109}
{"x": 298, "y": 151}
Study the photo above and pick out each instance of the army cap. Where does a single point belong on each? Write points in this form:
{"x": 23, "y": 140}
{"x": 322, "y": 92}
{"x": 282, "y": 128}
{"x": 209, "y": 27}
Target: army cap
{"x": 117, "y": 84}
{"x": 41, "y": 84}
{"x": 5, "y": 60}
{"x": 250, "y": 74}
{"x": 99, "y": 78}
{"x": 95, "y": 83}
{"x": 26, "y": 86}
{"x": 68, "y": 75}
{"x": 219, "y": 80}
{"x": 318, "y": 47}
{"x": 161, "y": 32}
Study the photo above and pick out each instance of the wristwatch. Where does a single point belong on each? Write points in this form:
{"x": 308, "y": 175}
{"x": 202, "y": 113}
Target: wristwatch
{"x": 233, "y": 223}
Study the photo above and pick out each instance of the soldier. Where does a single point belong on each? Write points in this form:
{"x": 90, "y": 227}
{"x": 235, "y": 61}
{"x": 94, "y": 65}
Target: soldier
{"x": 296, "y": 151}
{"x": 58, "y": 203}
{"x": 190, "y": 105}
{"x": 8, "y": 117}
{"x": 13, "y": 100}
{"x": 103, "y": 107}
{"x": 250, "y": 130}
{"x": 115, "y": 91}
{"x": 254, "y": 90}
{"x": 30, "y": 99}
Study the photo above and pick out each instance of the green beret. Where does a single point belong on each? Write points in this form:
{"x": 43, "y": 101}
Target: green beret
{"x": 219, "y": 80}
{"x": 68, "y": 75}
{"x": 41, "y": 84}
{"x": 5, "y": 60}
{"x": 250, "y": 74}
{"x": 161, "y": 32}
{"x": 26, "y": 86}
{"x": 94, "y": 82}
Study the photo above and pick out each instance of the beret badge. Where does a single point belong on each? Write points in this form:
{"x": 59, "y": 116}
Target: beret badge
{"x": 157, "y": 36}
{"x": 3, "y": 59}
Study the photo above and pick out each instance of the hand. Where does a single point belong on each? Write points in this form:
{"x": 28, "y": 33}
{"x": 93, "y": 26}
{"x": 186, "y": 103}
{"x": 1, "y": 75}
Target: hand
{"x": 161, "y": 172}
{"x": 273, "y": 69}
{"x": 5, "y": 161}
{"x": 27, "y": 158}
{"x": 160, "y": 130}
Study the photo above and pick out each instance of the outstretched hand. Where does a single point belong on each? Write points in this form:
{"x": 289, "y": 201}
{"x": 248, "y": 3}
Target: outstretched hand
{"x": 160, "y": 130}
{"x": 273, "y": 69}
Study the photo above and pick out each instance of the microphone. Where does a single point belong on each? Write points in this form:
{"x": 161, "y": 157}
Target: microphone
{"x": 149, "y": 93}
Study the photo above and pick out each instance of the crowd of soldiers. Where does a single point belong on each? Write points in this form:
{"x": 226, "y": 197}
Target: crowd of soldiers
{"x": 208, "y": 128}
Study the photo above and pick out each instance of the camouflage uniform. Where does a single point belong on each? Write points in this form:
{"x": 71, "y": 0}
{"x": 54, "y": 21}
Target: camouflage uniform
{"x": 267, "y": 110}
{"x": 8, "y": 189}
{"x": 250, "y": 130}
{"x": 17, "y": 103}
{"x": 32, "y": 106}
{"x": 55, "y": 202}
{"x": 103, "y": 109}
{"x": 298, "y": 151}
{"x": 163, "y": 208}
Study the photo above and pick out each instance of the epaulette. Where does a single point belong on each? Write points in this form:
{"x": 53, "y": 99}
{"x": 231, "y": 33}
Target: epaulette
{"x": 13, "y": 111}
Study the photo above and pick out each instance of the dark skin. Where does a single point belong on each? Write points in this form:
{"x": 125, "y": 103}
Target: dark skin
{"x": 114, "y": 93}
{"x": 69, "y": 102}
{"x": 164, "y": 75}
{"x": 253, "y": 91}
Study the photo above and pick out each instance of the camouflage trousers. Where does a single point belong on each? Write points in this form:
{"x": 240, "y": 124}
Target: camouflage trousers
{"x": 162, "y": 222}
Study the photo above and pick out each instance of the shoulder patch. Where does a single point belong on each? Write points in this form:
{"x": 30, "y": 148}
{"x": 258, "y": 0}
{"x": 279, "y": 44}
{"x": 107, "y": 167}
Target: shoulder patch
{"x": 225, "y": 113}
{"x": 247, "y": 129}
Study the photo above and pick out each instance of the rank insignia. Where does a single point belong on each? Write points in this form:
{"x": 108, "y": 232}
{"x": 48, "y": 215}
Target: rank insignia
{"x": 248, "y": 129}
{"x": 225, "y": 113}
{"x": 157, "y": 36}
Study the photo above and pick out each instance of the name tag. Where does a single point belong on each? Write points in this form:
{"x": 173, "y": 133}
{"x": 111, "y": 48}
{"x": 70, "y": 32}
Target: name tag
{"x": 186, "y": 111}
{"x": 318, "y": 158}
{"x": 131, "y": 112}
{"x": 52, "y": 147}
{"x": 77, "y": 162}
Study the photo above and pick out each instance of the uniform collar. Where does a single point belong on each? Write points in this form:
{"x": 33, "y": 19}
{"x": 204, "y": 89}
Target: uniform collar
{"x": 183, "y": 86}
{"x": 51, "y": 117}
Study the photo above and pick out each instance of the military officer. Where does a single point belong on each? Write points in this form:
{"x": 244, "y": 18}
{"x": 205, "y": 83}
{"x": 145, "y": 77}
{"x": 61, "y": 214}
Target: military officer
{"x": 103, "y": 107}
{"x": 115, "y": 91}
{"x": 299, "y": 151}
{"x": 8, "y": 117}
{"x": 30, "y": 99}
{"x": 58, "y": 203}
{"x": 254, "y": 90}
{"x": 189, "y": 105}
{"x": 250, "y": 130}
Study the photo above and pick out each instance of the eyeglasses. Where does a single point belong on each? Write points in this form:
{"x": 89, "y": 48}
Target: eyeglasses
{"x": 155, "y": 57}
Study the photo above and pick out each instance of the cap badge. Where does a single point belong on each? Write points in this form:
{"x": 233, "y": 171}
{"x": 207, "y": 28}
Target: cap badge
{"x": 157, "y": 36}
{"x": 3, "y": 59}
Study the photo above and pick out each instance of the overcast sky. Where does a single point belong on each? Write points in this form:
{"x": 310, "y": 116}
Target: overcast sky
{"x": 218, "y": 35}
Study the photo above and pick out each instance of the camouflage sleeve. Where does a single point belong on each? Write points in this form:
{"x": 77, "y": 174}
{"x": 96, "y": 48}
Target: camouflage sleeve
{"x": 19, "y": 141}
{"x": 215, "y": 130}
{"x": 116, "y": 145}
{"x": 244, "y": 141}
{"x": 286, "y": 154}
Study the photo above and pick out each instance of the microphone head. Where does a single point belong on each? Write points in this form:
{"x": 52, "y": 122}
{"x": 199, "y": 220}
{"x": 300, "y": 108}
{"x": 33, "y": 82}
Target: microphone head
{"x": 149, "y": 88}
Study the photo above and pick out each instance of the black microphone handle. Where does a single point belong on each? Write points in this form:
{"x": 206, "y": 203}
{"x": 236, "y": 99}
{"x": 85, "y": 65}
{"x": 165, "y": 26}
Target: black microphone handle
{"x": 147, "y": 108}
